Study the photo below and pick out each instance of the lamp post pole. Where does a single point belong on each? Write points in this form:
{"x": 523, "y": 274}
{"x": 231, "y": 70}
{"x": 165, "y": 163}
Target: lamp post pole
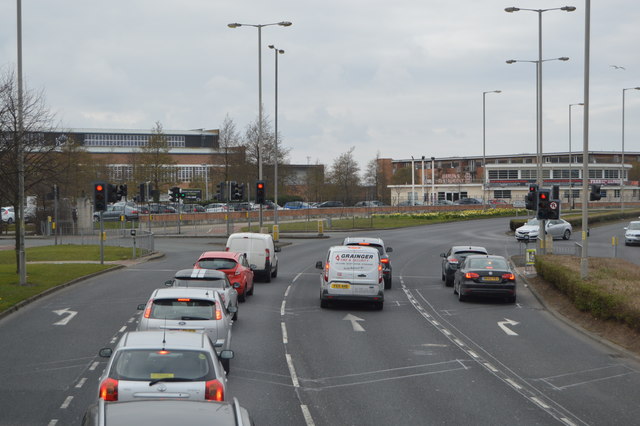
{"x": 413, "y": 181}
{"x": 571, "y": 200}
{"x": 622, "y": 157}
{"x": 584, "y": 256}
{"x": 484, "y": 143}
{"x": 259, "y": 27}
{"x": 275, "y": 166}
{"x": 422, "y": 182}
{"x": 433, "y": 180}
{"x": 22, "y": 264}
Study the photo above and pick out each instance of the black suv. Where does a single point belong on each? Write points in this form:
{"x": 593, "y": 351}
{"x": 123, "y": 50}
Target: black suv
{"x": 378, "y": 244}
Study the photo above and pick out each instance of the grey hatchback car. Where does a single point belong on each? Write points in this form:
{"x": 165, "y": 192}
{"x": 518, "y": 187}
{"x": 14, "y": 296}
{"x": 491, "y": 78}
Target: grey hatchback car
{"x": 453, "y": 257}
{"x": 163, "y": 364}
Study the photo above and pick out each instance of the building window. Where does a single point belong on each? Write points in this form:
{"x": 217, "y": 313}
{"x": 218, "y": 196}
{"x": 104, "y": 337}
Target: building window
{"x": 528, "y": 174}
{"x": 611, "y": 174}
{"x": 503, "y": 174}
{"x": 502, "y": 194}
{"x": 595, "y": 173}
{"x": 616, "y": 193}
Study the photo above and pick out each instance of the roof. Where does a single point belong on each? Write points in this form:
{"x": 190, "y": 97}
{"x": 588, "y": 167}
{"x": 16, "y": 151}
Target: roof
{"x": 154, "y": 339}
{"x": 469, "y": 248}
{"x": 192, "y": 292}
{"x": 366, "y": 240}
{"x": 200, "y": 274}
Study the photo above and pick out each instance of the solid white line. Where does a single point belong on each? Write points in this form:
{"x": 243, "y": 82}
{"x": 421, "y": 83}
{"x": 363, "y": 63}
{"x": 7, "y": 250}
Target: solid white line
{"x": 122, "y": 329}
{"x": 307, "y": 415}
{"x": 66, "y": 402}
{"x": 514, "y": 384}
{"x": 93, "y": 366}
{"x": 285, "y": 339}
{"x": 286, "y": 293}
{"x": 81, "y": 382}
{"x": 284, "y": 302}
{"x": 292, "y": 371}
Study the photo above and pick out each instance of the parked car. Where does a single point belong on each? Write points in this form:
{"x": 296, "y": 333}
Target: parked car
{"x": 485, "y": 275}
{"x": 260, "y": 251}
{"x": 203, "y": 278}
{"x": 192, "y": 208}
{"x": 632, "y": 233}
{"x": 443, "y": 203}
{"x": 243, "y": 207}
{"x": 330, "y": 204}
{"x": 373, "y": 203}
{"x": 167, "y": 412}
{"x": 557, "y": 228}
{"x": 297, "y": 205}
{"x": 464, "y": 201}
{"x": 188, "y": 309}
{"x": 232, "y": 264}
{"x": 156, "y": 208}
{"x": 8, "y": 215}
{"x": 378, "y": 244}
{"x": 163, "y": 364}
{"x": 351, "y": 273}
{"x": 127, "y": 209}
{"x": 215, "y": 208}
{"x": 269, "y": 205}
{"x": 453, "y": 257}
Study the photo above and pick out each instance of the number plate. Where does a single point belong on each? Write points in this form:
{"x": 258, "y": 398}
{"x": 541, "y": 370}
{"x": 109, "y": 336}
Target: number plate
{"x": 491, "y": 279}
{"x": 340, "y": 285}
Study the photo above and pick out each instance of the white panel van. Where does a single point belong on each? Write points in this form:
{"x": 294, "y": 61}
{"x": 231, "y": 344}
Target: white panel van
{"x": 351, "y": 273}
{"x": 260, "y": 251}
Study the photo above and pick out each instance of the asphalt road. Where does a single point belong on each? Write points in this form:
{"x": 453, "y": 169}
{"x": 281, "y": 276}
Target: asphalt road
{"x": 425, "y": 359}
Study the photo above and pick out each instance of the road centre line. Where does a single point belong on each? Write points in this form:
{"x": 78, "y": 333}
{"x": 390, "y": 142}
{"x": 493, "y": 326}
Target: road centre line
{"x": 284, "y": 302}
{"x": 94, "y": 366}
{"x": 122, "y": 329}
{"x": 285, "y": 339}
{"x": 286, "y": 293}
{"x": 307, "y": 415}
{"x": 53, "y": 422}
{"x": 297, "y": 276}
{"x": 292, "y": 371}
{"x": 81, "y": 382}
{"x": 67, "y": 402}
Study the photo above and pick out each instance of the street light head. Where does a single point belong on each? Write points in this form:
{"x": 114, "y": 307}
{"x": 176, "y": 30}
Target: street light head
{"x": 234, "y": 25}
{"x": 271, "y": 46}
{"x": 285, "y": 23}
{"x": 497, "y": 91}
{"x": 511, "y": 9}
{"x": 281, "y": 51}
{"x": 568, "y": 8}
{"x": 563, "y": 58}
{"x": 511, "y": 61}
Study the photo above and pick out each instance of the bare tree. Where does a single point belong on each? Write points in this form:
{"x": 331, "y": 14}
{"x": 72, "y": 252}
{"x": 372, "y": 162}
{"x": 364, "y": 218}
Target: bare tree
{"x": 155, "y": 161}
{"x": 344, "y": 175}
{"x": 375, "y": 177}
{"x": 229, "y": 143}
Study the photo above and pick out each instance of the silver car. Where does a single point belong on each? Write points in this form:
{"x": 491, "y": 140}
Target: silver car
{"x": 163, "y": 364}
{"x": 208, "y": 278}
{"x": 198, "y": 310}
{"x": 632, "y": 233}
{"x": 557, "y": 228}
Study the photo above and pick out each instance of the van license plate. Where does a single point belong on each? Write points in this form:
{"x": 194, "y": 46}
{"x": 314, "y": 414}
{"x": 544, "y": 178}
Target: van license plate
{"x": 340, "y": 285}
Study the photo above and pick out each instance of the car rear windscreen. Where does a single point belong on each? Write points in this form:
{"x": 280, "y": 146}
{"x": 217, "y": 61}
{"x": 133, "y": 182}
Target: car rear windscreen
{"x": 202, "y": 283}
{"x": 183, "y": 309}
{"x": 217, "y": 263}
{"x": 156, "y": 364}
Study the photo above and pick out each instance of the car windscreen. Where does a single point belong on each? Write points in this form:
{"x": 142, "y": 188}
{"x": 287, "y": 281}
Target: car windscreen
{"x": 485, "y": 263}
{"x": 203, "y": 283}
{"x": 183, "y": 309}
{"x": 217, "y": 263}
{"x": 634, "y": 226}
{"x": 158, "y": 364}
{"x": 463, "y": 254}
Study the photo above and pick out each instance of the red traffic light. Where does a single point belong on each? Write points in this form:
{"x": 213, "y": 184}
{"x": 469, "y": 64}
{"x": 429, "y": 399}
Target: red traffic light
{"x": 543, "y": 196}
{"x": 260, "y": 185}
{"x": 99, "y": 187}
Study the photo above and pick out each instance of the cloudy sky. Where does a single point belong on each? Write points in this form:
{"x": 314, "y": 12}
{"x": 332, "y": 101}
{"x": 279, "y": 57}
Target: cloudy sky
{"x": 402, "y": 78}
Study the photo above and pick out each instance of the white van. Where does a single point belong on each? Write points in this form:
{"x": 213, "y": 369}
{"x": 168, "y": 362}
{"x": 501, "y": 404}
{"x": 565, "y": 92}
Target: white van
{"x": 351, "y": 273}
{"x": 260, "y": 251}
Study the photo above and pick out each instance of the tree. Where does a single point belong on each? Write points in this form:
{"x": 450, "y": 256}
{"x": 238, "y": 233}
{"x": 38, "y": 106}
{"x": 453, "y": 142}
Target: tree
{"x": 230, "y": 145}
{"x": 375, "y": 177}
{"x": 154, "y": 160}
{"x": 29, "y": 138}
{"x": 344, "y": 175}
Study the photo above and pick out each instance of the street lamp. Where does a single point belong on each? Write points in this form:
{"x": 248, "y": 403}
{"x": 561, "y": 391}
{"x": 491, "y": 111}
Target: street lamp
{"x": 275, "y": 167}
{"x": 539, "y": 76}
{"x": 433, "y": 180}
{"x": 422, "y": 182}
{"x": 413, "y": 181}
{"x": 622, "y": 159}
{"x": 206, "y": 181}
{"x": 259, "y": 27}
{"x": 570, "y": 161}
{"x": 484, "y": 156}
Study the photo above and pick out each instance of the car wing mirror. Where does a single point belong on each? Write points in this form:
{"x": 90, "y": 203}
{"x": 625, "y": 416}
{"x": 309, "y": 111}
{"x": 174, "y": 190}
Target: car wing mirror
{"x": 226, "y": 354}
{"x": 443, "y": 254}
{"x": 105, "y": 352}
{"x": 319, "y": 264}
{"x": 169, "y": 283}
{"x": 232, "y": 309}
{"x": 276, "y": 249}
{"x": 141, "y": 306}
{"x": 253, "y": 267}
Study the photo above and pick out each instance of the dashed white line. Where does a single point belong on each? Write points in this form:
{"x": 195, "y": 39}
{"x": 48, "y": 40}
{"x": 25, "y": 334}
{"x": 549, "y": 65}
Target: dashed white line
{"x": 490, "y": 367}
{"x": 514, "y": 384}
{"x": 459, "y": 342}
{"x": 81, "y": 382}
{"x": 307, "y": 415}
{"x": 122, "y": 329}
{"x": 436, "y": 323}
{"x": 66, "y": 402}
{"x": 296, "y": 277}
{"x": 285, "y": 339}
{"x": 132, "y": 319}
{"x": 53, "y": 422}
{"x": 540, "y": 403}
{"x": 93, "y": 366}
{"x": 567, "y": 421}
{"x": 115, "y": 338}
{"x": 447, "y": 332}
{"x": 284, "y": 303}
{"x": 292, "y": 371}
{"x": 286, "y": 293}
{"x": 473, "y": 354}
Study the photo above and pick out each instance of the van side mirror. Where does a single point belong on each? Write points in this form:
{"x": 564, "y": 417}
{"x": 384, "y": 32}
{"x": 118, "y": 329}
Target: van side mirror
{"x": 276, "y": 249}
{"x": 319, "y": 264}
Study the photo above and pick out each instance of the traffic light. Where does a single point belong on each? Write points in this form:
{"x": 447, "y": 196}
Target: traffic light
{"x": 174, "y": 194}
{"x": 530, "y": 198}
{"x": 99, "y": 196}
{"x": 122, "y": 191}
{"x": 554, "y": 209}
{"x": 555, "y": 192}
{"x": 595, "y": 194}
{"x": 142, "y": 196}
{"x": 241, "y": 187}
{"x": 543, "y": 203}
{"x": 221, "y": 192}
{"x": 237, "y": 191}
{"x": 112, "y": 193}
{"x": 260, "y": 192}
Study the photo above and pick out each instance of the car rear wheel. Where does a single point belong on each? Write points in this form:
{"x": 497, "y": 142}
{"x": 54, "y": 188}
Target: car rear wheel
{"x": 10, "y": 221}
{"x": 274, "y": 273}
{"x": 379, "y": 306}
{"x": 242, "y": 297}
{"x": 448, "y": 281}
{"x": 387, "y": 284}
{"x": 566, "y": 235}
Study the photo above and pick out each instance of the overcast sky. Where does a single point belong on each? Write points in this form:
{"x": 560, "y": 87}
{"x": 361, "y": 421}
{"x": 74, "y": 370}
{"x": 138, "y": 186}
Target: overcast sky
{"x": 402, "y": 78}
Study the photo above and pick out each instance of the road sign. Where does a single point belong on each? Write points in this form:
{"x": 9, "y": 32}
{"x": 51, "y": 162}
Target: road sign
{"x": 553, "y": 205}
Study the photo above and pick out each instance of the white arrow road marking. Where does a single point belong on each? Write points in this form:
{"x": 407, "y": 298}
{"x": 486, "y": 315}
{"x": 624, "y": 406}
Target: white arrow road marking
{"x": 503, "y": 326}
{"x": 354, "y": 322}
{"x": 65, "y": 311}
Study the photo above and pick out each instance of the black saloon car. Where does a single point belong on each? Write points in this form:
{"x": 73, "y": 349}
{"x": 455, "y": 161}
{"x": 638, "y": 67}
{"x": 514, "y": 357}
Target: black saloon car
{"x": 485, "y": 275}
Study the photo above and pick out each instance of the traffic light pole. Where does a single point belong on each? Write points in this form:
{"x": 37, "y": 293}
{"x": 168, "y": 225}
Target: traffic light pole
{"x": 101, "y": 239}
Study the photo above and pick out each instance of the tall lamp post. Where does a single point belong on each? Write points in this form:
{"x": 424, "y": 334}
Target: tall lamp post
{"x": 275, "y": 167}
{"x": 622, "y": 158}
{"x": 422, "y": 182}
{"x": 484, "y": 140}
{"x": 571, "y": 205}
{"x": 539, "y": 75}
{"x": 259, "y": 27}
{"x": 413, "y": 182}
{"x": 433, "y": 181}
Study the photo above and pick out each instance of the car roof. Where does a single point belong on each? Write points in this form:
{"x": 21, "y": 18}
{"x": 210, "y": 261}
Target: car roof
{"x": 485, "y": 256}
{"x": 220, "y": 254}
{"x": 468, "y": 248}
{"x": 200, "y": 274}
{"x": 250, "y": 235}
{"x": 367, "y": 240}
{"x": 155, "y": 339}
{"x": 192, "y": 292}
{"x": 345, "y": 248}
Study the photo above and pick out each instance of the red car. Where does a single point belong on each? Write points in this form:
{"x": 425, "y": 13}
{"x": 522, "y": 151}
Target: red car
{"x": 235, "y": 265}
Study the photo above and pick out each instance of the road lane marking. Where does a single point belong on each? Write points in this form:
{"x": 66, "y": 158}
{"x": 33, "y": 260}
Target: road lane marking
{"x": 284, "y": 302}
{"x": 122, "y": 329}
{"x": 66, "y": 311}
{"x": 292, "y": 371}
{"x": 81, "y": 382}
{"x": 354, "y": 322}
{"x": 94, "y": 366}
{"x": 285, "y": 339}
{"x": 307, "y": 415}
{"x": 66, "y": 402}
{"x": 296, "y": 277}
{"x": 286, "y": 293}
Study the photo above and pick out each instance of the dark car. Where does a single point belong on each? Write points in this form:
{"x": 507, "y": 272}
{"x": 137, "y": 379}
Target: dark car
{"x": 161, "y": 209}
{"x": 453, "y": 257}
{"x": 468, "y": 201}
{"x": 192, "y": 208}
{"x": 373, "y": 203}
{"x": 330, "y": 204}
{"x": 485, "y": 275}
{"x": 378, "y": 244}
{"x": 116, "y": 211}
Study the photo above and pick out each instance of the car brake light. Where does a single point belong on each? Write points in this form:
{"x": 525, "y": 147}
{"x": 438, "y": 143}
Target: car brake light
{"x": 326, "y": 271}
{"x": 509, "y": 277}
{"x": 109, "y": 389}
{"x": 226, "y": 249}
{"x": 379, "y": 273}
{"x": 471, "y": 275}
{"x": 452, "y": 260}
{"x": 218, "y": 311}
{"x": 267, "y": 254}
{"x": 213, "y": 391}
{"x": 184, "y": 300}
{"x": 385, "y": 260}
{"x": 147, "y": 309}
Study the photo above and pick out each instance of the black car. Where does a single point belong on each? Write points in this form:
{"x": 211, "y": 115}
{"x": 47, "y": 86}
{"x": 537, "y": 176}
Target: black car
{"x": 468, "y": 201}
{"x": 452, "y": 259}
{"x": 485, "y": 275}
{"x": 117, "y": 211}
{"x": 378, "y": 244}
{"x": 331, "y": 204}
